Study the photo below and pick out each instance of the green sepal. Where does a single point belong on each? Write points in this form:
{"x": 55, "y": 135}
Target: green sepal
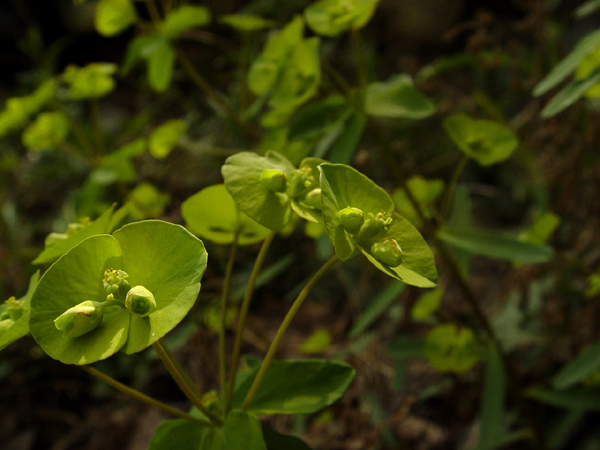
{"x": 242, "y": 173}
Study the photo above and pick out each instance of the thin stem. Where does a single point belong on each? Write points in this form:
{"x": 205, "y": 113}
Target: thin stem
{"x": 143, "y": 397}
{"x": 237, "y": 346}
{"x": 283, "y": 328}
{"x": 183, "y": 381}
{"x": 153, "y": 11}
{"x": 224, "y": 306}
{"x": 215, "y": 96}
{"x": 451, "y": 186}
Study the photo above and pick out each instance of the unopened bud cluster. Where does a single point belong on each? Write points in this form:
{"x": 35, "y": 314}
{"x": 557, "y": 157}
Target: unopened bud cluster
{"x": 300, "y": 186}
{"x": 370, "y": 232}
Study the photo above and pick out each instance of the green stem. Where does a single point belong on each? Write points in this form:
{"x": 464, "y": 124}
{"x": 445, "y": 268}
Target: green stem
{"x": 446, "y": 203}
{"x": 237, "y": 346}
{"x": 97, "y": 129}
{"x": 153, "y": 11}
{"x": 143, "y": 397}
{"x": 215, "y": 96}
{"x": 183, "y": 381}
{"x": 223, "y": 325}
{"x": 283, "y": 328}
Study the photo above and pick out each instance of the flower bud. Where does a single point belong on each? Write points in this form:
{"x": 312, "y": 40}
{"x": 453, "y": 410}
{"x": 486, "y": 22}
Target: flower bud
{"x": 388, "y": 252}
{"x": 80, "y": 319}
{"x": 140, "y": 301}
{"x": 351, "y": 219}
{"x": 313, "y": 198}
{"x": 301, "y": 182}
{"x": 373, "y": 227}
{"x": 274, "y": 180}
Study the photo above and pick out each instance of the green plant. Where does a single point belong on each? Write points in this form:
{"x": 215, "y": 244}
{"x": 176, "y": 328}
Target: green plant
{"x": 289, "y": 125}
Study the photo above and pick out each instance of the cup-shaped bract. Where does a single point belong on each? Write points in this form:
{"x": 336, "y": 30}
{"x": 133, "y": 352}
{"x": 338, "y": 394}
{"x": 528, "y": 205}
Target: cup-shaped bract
{"x": 387, "y": 239}
{"x": 269, "y": 188}
{"x": 140, "y": 301}
{"x": 164, "y": 258}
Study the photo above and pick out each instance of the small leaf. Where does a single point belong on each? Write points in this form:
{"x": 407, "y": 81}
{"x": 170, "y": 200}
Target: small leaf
{"x": 246, "y": 22}
{"x": 542, "y": 228}
{"x": 147, "y": 202}
{"x": 117, "y": 166}
{"x": 165, "y": 138}
{"x": 426, "y": 305}
{"x": 184, "y": 18}
{"x": 48, "y": 130}
{"x": 212, "y": 214}
{"x": 18, "y": 109}
{"x": 451, "y": 349}
{"x": 140, "y": 47}
{"x": 297, "y": 387}
{"x": 486, "y": 141}
{"x": 92, "y": 81}
{"x": 497, "y": 245}
{"x": 332, "y": 17}
{"x": 575, "y": 398}
{"x": 114, "y": 16}
{"x": 397, "y": 98}
{"x": 160, "y": 66}
{"x": 317, "y": 342}
{"x": 424, "y": 191}
{"x": 242, "y": 172}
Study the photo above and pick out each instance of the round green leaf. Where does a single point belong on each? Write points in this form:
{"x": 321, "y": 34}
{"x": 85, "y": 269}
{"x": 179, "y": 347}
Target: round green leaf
{"x": 161, "y": 60}
{"x": 168, "y": 261}
{"x": 212, "y": 214}
{"x": 114, "y": 16}
{"x": 165, "y": 137}
{"x": 74, "y": 278}
{"x": 242, "y": 172}
{"x": 92, "y": 81}
{"x": 486, "y": 141}
{"x": 184, "y": 18}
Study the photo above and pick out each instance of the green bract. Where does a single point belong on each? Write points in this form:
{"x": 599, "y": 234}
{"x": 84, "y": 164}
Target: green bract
{"x": 14, "y": 315}
{"x": 332, "y": 17}
{"x": 397, "y": 98}
{"x": 268, "y": 188}
{"x": 80, "y": 319}
{"x": 165, "y": 137}
{"x": 140, "y": 301}
{"x": 164, "y": 258}
{"x": 387, "y": 239}
{"x": 486, "y": 141}
{"x": 212, "y": 214}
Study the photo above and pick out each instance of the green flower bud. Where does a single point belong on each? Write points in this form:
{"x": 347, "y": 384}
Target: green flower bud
{"x": 140, "y": 301}
{"x": 373, "y": 227}
{"x": 274, "y": 180}
{"x": 301, "y": 182}
{"x": 313, "y": 198}
{"x": 112, "y": 289}
{"x": 388, "y": 252}
{"x": 114, "y": 276}
{"x": 80, "y": 319}
{"x": 351, "y": 219}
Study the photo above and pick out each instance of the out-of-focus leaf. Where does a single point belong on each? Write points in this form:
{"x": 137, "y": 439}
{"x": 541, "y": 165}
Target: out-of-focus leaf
{"x": 47, "y": 131}
{"x": 579, "y": 369}
{"x": 184, "y": 18}
{"x": 426, "y": 305}
{"x": 451, "y": 349}
{"x": 541, "y": 229}
{"x": 397, "y": 98}
{"x": 160, "y": 66}
{"x": 579, "y": 398}
{"x": 146, "y": 201}
{"x": 571, "y": 93}
{"x": 92, "y": 81}
{"x": 497, "y": 245}
{"x": 165, "y": 137}
{"x": 377, "y": 307}
{"x": 114, "y": 16}
{"x": 332, "y": 17}
{"x": 317, "y": 342}
{"x": 246, "y": 22}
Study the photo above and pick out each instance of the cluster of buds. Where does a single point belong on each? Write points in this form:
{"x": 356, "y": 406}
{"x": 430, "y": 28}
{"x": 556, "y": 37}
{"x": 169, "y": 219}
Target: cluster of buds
{"x": 10, "y": 311}
{"x": 300, "y": 186}
{"x": 88, "y": 315}
{"x": 371, "y": 233}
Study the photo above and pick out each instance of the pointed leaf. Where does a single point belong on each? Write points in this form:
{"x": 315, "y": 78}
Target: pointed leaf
{"x": 571, "y": 93}
{"x": 160, "y": 66}
{"x": 584, "y": 365}
{"x": 184, "y": 18}
{"x": 165, "y": 137}
{"x": 495, "y": 244}
{"x": 297, "y": 387}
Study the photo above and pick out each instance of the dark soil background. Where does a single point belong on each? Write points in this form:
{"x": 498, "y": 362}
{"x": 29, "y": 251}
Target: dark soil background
{"x": 49, "y": 406}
